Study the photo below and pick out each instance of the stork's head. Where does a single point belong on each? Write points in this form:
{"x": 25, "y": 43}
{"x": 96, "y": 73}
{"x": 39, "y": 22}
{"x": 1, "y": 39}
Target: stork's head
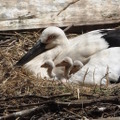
{"x": 67, "y": 62}
{"x": 49, "y": 64}
{"x": 50, "y": 38}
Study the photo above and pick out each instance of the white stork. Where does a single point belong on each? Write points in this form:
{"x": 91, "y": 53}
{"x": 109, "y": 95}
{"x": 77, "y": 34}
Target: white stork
{"x": 53, "y": 41}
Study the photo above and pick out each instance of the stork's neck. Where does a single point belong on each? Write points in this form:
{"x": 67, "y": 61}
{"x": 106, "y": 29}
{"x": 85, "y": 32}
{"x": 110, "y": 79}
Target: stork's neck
{"x": 67, "y": 71}
{"x": 50, "y": 72}
{"x": 66, "y": 41}
{"x": 63, "y": 41}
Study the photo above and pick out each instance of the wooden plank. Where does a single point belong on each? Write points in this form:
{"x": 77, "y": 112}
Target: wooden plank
{"x": 29, "y": 14}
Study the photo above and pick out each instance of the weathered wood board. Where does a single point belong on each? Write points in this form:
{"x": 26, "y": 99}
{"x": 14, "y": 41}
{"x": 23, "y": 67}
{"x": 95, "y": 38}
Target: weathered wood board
{"x": 29, "y": 14}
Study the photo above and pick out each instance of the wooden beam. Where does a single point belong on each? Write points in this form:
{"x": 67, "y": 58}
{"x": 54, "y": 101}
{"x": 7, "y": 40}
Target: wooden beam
{"x": 32, "y": 14}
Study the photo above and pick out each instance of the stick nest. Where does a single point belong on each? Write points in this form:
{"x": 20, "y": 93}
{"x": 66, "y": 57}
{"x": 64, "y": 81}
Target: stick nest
{"x": 15, "y": 82}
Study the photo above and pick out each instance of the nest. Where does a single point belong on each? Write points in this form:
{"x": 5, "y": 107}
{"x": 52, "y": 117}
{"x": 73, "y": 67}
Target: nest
{"x": 20, "y": 90}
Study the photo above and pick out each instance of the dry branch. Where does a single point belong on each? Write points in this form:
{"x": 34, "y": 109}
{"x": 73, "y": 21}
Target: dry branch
{"x": 36, "y": 96}
{"x": 110, "y": 99}
{"x": 28, "y": 105}
{"x": 25, "y": 38}
{"x": 67, "y": 28}
{"x": 67, "y": 6}
{"x": 85, "y": 75}
{"x": 89, "y": 95}
{"x": 24, "y": 113}
{"x": 78, "y": 116}
{"x": 61, "y": 95}
{"x": 105, "y": 76}
{"x": 6, "y": 41}
{"x": 22, "y": 96}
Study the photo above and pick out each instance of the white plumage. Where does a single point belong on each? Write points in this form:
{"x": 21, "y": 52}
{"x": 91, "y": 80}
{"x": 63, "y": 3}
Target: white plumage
{"x": 77, "y": 65}
{"x": 100, "y": 64}
{"x": 83, "y": 46}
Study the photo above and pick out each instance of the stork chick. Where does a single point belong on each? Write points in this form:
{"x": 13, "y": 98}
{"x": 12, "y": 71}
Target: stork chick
{"x": 70, "y": 67}
{"x": 49, "y": 64}
{"x": 68, "y": 63}
{"x": 77, "y": 65}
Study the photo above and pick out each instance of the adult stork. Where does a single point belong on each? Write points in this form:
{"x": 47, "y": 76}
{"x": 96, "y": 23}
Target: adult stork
{"x": 53, "y": 41}
{"x": 101, "y": 66}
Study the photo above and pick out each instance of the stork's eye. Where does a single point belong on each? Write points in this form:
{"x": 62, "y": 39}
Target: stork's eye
{"x": 50, "y": 38}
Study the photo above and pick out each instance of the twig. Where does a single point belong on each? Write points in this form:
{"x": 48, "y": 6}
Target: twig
{"x": 24, "y": 113}
{"x": 107, "y": 76}
{"x": 23, "y": 37}
{"x": 89, "y": 95}
{"x": 104, "y": 77}
{"x": 85, "y": 75}
{"x": 78, "y": 116}
{"x": 61, "y": 95}
{"x": 94, "y": 80}
{"x": 22, "y": 96}
{"x": 67, "y": 28}
{"x": 67, "y": 6}
{"x": 110, "y": 99}
{"x": 12, "y": 42}
{"x": 35, "y": 96}
{"x": 78, "y": 93}
{"x": 28, "y": 105}
{"x": 6, "y": 41}
{"x": 94, "y": 76}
